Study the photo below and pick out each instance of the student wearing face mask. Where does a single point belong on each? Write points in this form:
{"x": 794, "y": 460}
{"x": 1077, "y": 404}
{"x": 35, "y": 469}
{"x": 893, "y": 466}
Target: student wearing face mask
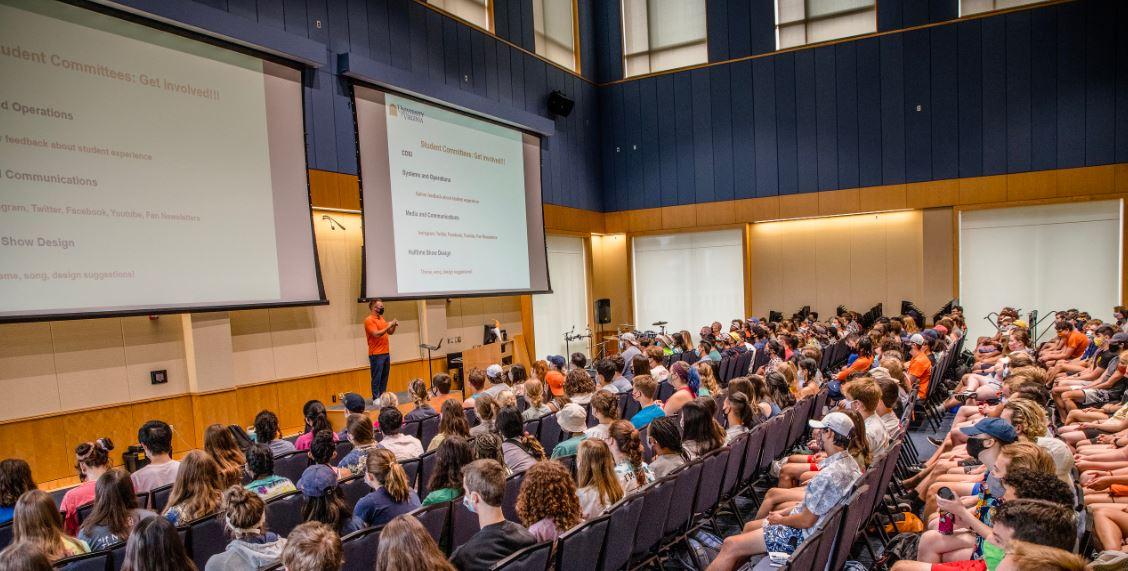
{"x": 985, "y": 440}
{"x": 497, "y": 537}
{"x": 377, "y": 330}
{"x": 862, "y": 396}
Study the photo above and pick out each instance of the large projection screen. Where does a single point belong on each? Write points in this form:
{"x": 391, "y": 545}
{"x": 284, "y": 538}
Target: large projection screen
{"x": 146, "y": 171}
{"x": 452, "y": 203}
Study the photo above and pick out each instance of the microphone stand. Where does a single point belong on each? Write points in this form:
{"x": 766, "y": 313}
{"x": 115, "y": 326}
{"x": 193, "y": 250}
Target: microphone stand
{"x": 430, "y": 348}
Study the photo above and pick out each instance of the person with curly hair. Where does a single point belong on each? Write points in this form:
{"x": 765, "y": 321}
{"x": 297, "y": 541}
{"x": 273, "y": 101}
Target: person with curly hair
{"x": 446, "y": 477}
{"x": 488, "y": 446}
{"x": 547, "y": 503}
{"x": 92, "y": 459}
{"x": 579, "y": 387}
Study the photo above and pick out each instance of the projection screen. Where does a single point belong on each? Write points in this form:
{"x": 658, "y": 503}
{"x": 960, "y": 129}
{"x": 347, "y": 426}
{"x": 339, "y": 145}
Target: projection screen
{"x": 452, "y": 202}
{"x": 146, "y": 171}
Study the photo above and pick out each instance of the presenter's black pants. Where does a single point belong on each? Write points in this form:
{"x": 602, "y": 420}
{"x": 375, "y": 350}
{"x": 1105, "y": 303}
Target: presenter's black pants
{"x": 381, "y": 365}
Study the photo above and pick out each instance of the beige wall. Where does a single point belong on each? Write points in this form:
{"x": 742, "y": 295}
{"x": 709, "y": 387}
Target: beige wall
{"x": 857, "y": 261}
{"x": 60, "y": 366}
{"x": 611, "y": 276}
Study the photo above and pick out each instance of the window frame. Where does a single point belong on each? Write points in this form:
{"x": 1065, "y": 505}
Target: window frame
{"x": 491, "y": 27}
{"x": 577, "y": 65}
{"x": 807, "y": 20}
{"x": 651, "y": 50}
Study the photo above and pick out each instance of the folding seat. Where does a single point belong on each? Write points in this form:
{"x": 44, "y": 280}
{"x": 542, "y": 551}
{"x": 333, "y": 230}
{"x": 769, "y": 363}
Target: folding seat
{"x": 158, "y": 497}
{"x": 463, "y": 523}
{"x": 549, "y": 433}
{"x": 354, "y": 488}
{"x": 579, "y": 548}
{"x": 509, "y": 503}
{"x": 682, "y": 501}
{"x": 721, "y": 417}
{"x": 284, "y": 513}
{"x": 291, "y": 465}
{"x": 570, "y": 462}
{"x": 852, "y": 519}
{"x": 665, "y": 389}
{"x": 97, "y": 561}
{"x": 619, "y": 542}
{"x": 532, "y": 558}
{"x": 84, "y": 511}
{"x": 435, "y": 518}
{"x": 206, "y": 537}
{"x": 428, "y": 429}
{"x": 412, "y": 428}
{"x": 630, "y": 407}
{"x": 532, "y": 427}
{"x": 426, "y": 469}
{"x": 472, "y": 417}
{"x": 343, "y": 449}
{"x": 713, "y": 467}
{"x": 411, "y": 468}
{"x": 360, "y": 547}
{"x": 652, "y": 518}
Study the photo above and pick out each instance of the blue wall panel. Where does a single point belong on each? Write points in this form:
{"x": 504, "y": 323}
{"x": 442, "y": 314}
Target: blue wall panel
{"x": 764, "y": 118}
{"x": 702, "y": 137}
{"x": 762, "y": 24}
{"x": 1071, "y": 85}
{"x": 1100, "y": 80}
{"x": 667, "y": 140}
{"x": 739, "y": 30}
{"x": 806, "y": 133}
{"x": 869, "y": 112}
{"x": 970, "y": 94}
{"x": 1122, "y": 82}
{"x": 683, "y": 117}
{"x": 892, "y": 110}
{"x": 945, "y": 102}
{"x": 717, "y": 28}
{"x": 994, "y": 96}
{"x": 846, "y": 113}
{"x": 1043, "y": 90}
{"x": 918, "y": 106}
{"x": 649, "y": 144}
{"x": 1018, "y": 92}
{"x": 720, "y": 92}
{"x": 743, "y": 131}
{"x": 786, "y": 124}
{"x": 826, "y": 125}
{"x": 636, "y": 195}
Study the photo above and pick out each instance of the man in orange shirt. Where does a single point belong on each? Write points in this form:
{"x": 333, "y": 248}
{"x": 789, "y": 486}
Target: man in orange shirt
{"x": 377, "y": 330}
{"x": 920, "y": 366}
{"x": 1072, "y": 343}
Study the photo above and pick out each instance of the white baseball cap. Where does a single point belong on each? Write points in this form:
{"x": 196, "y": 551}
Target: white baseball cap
{"x": 916, "y": 339}
{"x": 494, "y": 371}
{"x": 836, "y": 421}
{"x": 629, "y": 338}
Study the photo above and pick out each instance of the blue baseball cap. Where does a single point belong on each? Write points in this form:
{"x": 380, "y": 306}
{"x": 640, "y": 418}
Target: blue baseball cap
{"x": 996, "y": 428}
{"x": 317, "y": 480}
{"x": 353, "y": 402}
{"x": 557, "y": 360}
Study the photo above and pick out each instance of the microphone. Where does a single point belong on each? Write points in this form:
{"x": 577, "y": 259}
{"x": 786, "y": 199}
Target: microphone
{"x": 660, "y": 323}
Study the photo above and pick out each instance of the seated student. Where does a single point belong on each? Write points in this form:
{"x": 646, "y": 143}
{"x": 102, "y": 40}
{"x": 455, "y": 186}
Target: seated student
{"x": 486, "y": 408}
{"x": 446, "y": 477}
{"x": 267, "y": 432}
{"x": 316, "y": 420}
{"x": 605, "y": 409}
{"x": 655, "y": 364}
{"x": 919, "y": 368}
{"x": 547, "y": 503}
{"x": 495, "y": 381}
{"x": 782, "y": 532}
{"x": 1033, "y": 521}
{"x": 221, "y": 446}
{"x": 155, "y": 545}
{"x": 417, "y": 390}
{"x": 506, "y": 398}
{"x": 404, "y": 540}
{"x": 862, "y": 396}
{"x": 264, "y": 482}
{"x": 1109, "y": 387}
{"x": 534, "y": 394}
{"x": 709, "y": 386}
{"x": 497, "y": 538}
{"x": 515, "y": 377}
{"x": 24, "y": 557}
{"x": 322, "y": 449}
{"x": 252, "y": 547}
{"x": 313, "y": 546}
{"x": 521, "y": 450}
{"x": 476, "y": 378}
{"x": 15, "y": 479}
{"x": 700, "y": 432}
{"x": 37, "y": 522}
{"x": 391, "y": 492}
{"x": 762, "y": 397}
{"x": 488, "y": 446}
{"x": 404, "y": 446}
{"x": 779, "y": 391}
{"x": 863, "y": 362}
{"x": 573, "y": 421}
{"x": 645, "y": 389}
{"x": 1070, "y": 344}
{"x": 1023, "y": 556}
{"x": 666, "y": 443}
{"x": 324, "y": 502}
{"x": 579, "y": 387}
{"x": 92, "y": 459}
{"x": 741, "y": 418}
{"x": 605, "y": 373}
{"x": 1102, "y": 350}
{"x": 452, "y": 422}
{"x": 115, "y": 511}
{"x": 598, "y": 486}
{"x": 620, "y": 381}
{"x": 640, "y": 364}
{"x": 155, "y": 437}
{"x": 440, "y": 388}
{"x": 626, "y": 449}
{"x": 359, "y": 429}
{"x": 890, "y": 396}
{"x": 685, "y": 381}
{"x": 196, "y": 492}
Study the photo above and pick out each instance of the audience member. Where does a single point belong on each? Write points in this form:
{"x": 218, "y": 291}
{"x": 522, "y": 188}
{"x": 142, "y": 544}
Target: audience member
{"x": 115, "y": 511}
{"x": 313, "y": 546}
{"x": 497, "y": 538}
{"x": 266, "y": 432}
{"x": 154, "y": 545}
{"x": 196, "y": 492}
{"x": 554, "y": 375}
{"x": 221, "y": 446}
{"x": 626, "y": 449}
{"x": 645, "y": 391}
{"x": 547, "y": 502}
{"x": 579, "y": 387}
{"x": 92, "y": 459}
{"x": 264, "y": 482}
{"x": 405, "y": 545}
{"x": 446, "y": 478}
{"x": 38, "y": 523}
{"x": 324, "y": 502}
{"x": 605, "y": 409}
{"x": 155, "y": 437}
{"x": 404, "y": 446}
{"x": 452, "y": 422}
{"x": 15, "y": 479}
{"x": 486, "y": 408}
{"x": 391, "y": 492}
{"x": 24, "y": 557}
{"x": 360, "y": 433}
{"x": 252, "y": 547}
{"x": 534, "y": 394}
{"x": 598, "y": 486}
{"x": 666, "y": 443}
{"x": 521, "y": 450}
{"x": 420, "y": 398}
{"x": 701, "y": 434}
{"x": 573, "y": 421}
{"x": 740, "y": 416}
{"x": 316, "y": 420}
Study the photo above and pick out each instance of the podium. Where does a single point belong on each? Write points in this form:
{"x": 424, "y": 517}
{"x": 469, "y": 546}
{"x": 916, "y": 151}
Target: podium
{"x": 478, "y": 357}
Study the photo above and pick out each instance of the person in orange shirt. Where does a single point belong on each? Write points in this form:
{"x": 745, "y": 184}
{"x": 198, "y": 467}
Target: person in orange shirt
{"x": 1072, "y": 343}
{"x": 554, "y": 378}
{"x": 862, "y": 363}
{"x": 920, "y": 366}
{"x": 377, "y": 330}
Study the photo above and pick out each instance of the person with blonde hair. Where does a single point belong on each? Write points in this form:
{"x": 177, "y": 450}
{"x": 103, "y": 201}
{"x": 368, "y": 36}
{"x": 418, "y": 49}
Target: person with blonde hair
{"x": 197, "y": 490}
{"x": 598, "y": 486}
{"x": 534, "y": 394}
{"x": 486, "y": 408}
{"x": 547, "y": 502}
{"x": 420, "y": 397}
{"x": 38, "y": 523}
{"x": 1024, "y": 556}
{"x": 709, "y": 386}
{"x": 220, "y": 444}
{"x": 252, "y": 547}
{"x": 626, "y": 448}
{"x": 391, "y": 494}
{"x": 405, "y": 545}
{"x": 313, "y": 546}
{"x": 24, "y": 557}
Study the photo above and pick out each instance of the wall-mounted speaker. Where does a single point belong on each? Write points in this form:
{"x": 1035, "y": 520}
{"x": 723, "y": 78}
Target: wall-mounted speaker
{"x": 603, "y": 311}
{"x": 559, "y": 104}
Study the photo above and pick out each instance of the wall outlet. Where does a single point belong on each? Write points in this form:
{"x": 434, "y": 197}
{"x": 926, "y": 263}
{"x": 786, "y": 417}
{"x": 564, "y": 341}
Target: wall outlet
{"x": 159, "y": 377}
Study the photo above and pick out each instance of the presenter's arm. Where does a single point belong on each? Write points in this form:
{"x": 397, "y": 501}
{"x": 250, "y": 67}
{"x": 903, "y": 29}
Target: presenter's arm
{"x": 392, "y": 327}
{"x": 374, "y": 331}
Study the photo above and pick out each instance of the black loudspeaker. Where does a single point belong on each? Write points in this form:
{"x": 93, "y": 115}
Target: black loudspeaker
{"x": 559, "y": 104}
{"x": 603, "y": 311}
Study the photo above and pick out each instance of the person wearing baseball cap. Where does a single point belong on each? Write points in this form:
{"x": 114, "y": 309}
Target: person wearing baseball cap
{"x": 782, "y": 532}
{"x": 572, "y": 419}
{"x": 919, "y": 367}
{"x": 628, "y": 349}
{"x": 554, "y": 378}
{"x": 495, "y": 376}
{"x": 325, "y": 499}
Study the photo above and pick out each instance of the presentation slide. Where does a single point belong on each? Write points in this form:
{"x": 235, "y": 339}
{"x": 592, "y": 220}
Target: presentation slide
{"x": 142, "y": 170}
{"x": 451, "y": 202}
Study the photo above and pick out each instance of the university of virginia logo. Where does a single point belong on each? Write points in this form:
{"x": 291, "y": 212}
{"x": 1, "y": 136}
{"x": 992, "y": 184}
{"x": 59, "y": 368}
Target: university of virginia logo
{"x": 405, "y": 113}
{"x": 393, "y": 110}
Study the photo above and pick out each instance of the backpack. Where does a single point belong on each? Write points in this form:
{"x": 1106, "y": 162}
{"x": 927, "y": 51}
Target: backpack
{"x": 703, "y": 548}
{"x": 902, "y": 547}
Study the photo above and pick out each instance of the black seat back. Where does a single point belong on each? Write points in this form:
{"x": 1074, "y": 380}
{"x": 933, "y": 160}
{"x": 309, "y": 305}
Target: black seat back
{"x": 158, "y": 497}
{"x": 413, "y": 428}
{"x": 426, "y": 469}
{"x": 434, "y": 518}
{"x": 848, "y": 531}
{"x": 579, "y": 547}
{"x": 737, "y": 449}
{"x": 685, "y": 492}
{"x": 354, "y": 488}
{"x": 532, "y": 558}
{"x": 509, "y": 503}
{"x": 205, "y": 538}
{"x": 549, "y": 433}
{"x": 284, "y": 513}
{"x": 665, "y": 389}
{"x": 621, "y": 531}
{"x": 291, "y": 465}
{"x": 84, "y": 511}
{"x": 411, "y": 468}
{"x": 360, "y": 547}
{"x": 712, "y": 477}
{"x": 655, "y": 506}
{"x": 343, "y": 448}
{"x": 429, "y": 429}
{"x": 97, "y": 561}
{"x": 463, "y": 523}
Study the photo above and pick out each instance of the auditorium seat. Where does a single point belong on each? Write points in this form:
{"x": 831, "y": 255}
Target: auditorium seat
{"x": 435, "y": 518}
{"x": 158, "y": 497}
{"x": 84, "y": 512}
{"x": 428, "y": 429}
{"x": 625, "y": 515}
{"x": 343, "y": 449}
{"x": 354, "y": 488}
{"x": 471, "y": 417}
{"x": 569, "y": 463}
{"x": 577, "y": 547}
{"x": 97, "y": 561}
{"x": 644, "y": 436}
{"x": 206, "y": 537}
{"x": 117, "y": 556}
{"x": 680, "y": 512}
{"x": 463, "y": 523}
{"x": 665, "y": 389}
{"x": 721, "y": 417}
{"x": 738, "y": 448}
{"x": 509, "y": 502}
{"x": 59, "y": 494}
{"x": 852, "y": 517}
{"x": 549, "y": 433}
{"x": 713, "y": 468}
{"x": 360, "y": 547}
{"x": 532, "y": 558}
{"x": 426, "y": 469}
{"x": 284, "y": 513}
{"x": 532, "y": 427}
{"x": 411, "y": 468}
{"x": 630, "y": 407}
{"x": 655, "y": 506}
{"x": 6, "y": 533}
{"x": 291, "y": 465}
